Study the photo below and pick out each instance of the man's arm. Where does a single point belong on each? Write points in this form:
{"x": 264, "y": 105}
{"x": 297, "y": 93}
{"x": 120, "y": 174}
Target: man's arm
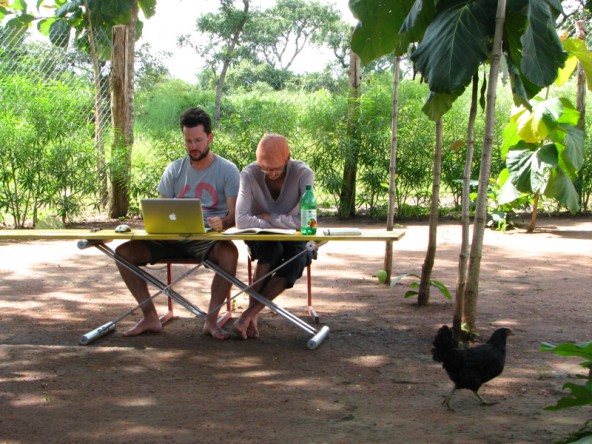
{"x": 222, "y": 223}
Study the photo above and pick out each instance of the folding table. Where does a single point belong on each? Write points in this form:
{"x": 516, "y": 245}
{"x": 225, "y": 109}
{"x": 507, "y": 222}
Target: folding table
{"x": 99, "y": 239}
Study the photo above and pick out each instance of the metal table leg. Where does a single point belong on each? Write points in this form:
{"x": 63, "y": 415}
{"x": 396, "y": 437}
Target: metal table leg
{"x": 318, "y": 336}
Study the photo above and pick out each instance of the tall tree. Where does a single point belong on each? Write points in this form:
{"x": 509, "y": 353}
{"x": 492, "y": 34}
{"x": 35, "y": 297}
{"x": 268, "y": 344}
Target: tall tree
{"x": 347, "y": 199}
{"x": 423, "y": 295}
{"x": 388, "y": 254}
{"x": 463, "y": 257}
{"x": 225, "y": 43}
{"x": 282, "y": 32}
{"x": 476, "y": 252}
{"x": 92, "y": 22}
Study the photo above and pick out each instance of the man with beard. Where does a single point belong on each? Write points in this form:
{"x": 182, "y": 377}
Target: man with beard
{"x": 213, "y": 179}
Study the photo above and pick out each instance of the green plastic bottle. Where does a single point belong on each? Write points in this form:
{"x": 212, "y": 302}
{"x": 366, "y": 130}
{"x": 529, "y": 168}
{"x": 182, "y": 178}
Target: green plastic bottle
{"x": 308, "y": 212}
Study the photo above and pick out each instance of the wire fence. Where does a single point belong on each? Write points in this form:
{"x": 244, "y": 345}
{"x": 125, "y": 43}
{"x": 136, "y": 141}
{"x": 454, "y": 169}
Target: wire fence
{"x": 54, "y": 125}
{"x": 25, "y": 54}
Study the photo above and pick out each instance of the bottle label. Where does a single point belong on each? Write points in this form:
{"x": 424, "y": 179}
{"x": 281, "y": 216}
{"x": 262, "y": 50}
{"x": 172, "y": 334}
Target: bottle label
{"x": 308, "y": 218}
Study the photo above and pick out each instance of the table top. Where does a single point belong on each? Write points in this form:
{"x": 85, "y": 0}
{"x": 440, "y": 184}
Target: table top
{"x": 77, "y": 234}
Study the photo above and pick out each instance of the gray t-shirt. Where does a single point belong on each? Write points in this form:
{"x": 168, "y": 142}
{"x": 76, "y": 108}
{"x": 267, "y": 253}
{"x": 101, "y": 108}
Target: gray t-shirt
{"x": 212, "y": 185}
{"x": 254, "y": 197}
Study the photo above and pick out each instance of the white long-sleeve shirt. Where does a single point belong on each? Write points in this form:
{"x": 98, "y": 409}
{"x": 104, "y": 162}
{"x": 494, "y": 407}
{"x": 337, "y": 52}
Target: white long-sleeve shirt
{"x": 254, "y": 197}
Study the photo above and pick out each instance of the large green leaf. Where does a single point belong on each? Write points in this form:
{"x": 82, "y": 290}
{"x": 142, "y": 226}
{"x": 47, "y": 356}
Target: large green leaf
{"x": 578, "y": 50}
{"x": 574, "y": 148}
{"x": 438, "y": 104}
{"x": 377, "y": 31}
{"x": 67, "y": 8}
{"x": 530, "y": 170}
{"x": 542, "y": 45}
{"x": 417, "y": 21}
{"x": 580, "y": 395}
{"x": 561, "y": 188}
{"x": 44, "y": 25}
{"x": 536, "y": 125}
{"x": 510, "y": 137}
{"x": 570, "y": 114}
{"x": 571, "y": 63}
{"x": 582, "y": 349}
{"x": 110, "y": 9}
{"x": 148, "y": 7}
{"x": 507, "y": 192}
{"x": 19, "y": 5}
{"x": 455, "y": 43}
{"x": 59, "y": 33}
{"x": 522, "y": 89}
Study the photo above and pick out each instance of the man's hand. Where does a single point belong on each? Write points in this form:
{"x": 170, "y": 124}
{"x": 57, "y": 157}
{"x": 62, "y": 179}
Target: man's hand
{"x": 216, "y": 223}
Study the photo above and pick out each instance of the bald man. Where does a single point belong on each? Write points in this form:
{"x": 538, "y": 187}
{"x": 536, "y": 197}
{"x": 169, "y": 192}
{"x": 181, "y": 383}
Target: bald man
{"x": 269, "y": 197}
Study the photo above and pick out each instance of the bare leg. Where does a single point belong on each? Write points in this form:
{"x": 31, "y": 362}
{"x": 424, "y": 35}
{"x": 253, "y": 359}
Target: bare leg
{"x": 136, "y": 253}
{"x": 246, "y": 326}
{"x": 225, "y": 255}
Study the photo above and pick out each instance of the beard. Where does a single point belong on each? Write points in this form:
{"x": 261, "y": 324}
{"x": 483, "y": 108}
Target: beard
{"x": 201, "y": 156}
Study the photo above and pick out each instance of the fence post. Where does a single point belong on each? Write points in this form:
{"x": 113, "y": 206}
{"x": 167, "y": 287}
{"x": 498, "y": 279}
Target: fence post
{"x": 121, "y": 150}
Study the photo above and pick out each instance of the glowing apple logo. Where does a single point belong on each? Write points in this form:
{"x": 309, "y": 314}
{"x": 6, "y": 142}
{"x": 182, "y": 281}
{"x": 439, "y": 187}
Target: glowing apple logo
{"x": 172, "y": 216}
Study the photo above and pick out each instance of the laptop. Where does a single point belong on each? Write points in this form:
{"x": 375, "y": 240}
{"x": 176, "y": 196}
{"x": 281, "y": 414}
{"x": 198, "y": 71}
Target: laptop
{"x": 173, "y": 216}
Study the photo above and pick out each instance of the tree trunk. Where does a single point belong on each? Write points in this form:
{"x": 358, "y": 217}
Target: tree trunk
{"x": 581, "y": 98}
{"x": 472, "y": 289}
{"x": 347, "y": 199}
{"x": 120, "y": 153}
{"x": 100, "y": 118}
{"x": 423, "y": 296}
{"x": 227, "y": 61}
{"x": 131, "y": 76}
{"x": 388, "y": 254}
{"x": 463, "y": 259}
{"x": 533, "y": 217}
{"x": 582, "y": 31}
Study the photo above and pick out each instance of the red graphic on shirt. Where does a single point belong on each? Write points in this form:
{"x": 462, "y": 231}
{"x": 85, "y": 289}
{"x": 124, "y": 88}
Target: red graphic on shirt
{"x": 202, "y": 189}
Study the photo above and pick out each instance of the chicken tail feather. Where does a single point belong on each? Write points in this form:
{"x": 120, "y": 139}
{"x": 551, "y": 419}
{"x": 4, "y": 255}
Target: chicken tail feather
{"x": 443, "y": 344}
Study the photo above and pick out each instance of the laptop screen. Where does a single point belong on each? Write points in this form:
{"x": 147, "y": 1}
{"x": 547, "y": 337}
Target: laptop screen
{"x": 173, "y": 216}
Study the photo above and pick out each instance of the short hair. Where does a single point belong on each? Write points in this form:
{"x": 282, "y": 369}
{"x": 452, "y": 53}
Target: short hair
{"x": 273, "y": 148}
{"x": 193, "y": 117}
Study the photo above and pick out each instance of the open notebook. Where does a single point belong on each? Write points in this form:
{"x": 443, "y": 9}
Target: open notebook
{"x": 173, "y": 216}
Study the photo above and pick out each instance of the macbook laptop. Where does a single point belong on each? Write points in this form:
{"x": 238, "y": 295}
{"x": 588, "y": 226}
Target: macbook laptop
{"x": 173, "y": 216}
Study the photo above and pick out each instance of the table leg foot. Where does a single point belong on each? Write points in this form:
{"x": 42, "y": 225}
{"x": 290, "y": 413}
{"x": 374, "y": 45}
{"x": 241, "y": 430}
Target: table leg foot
{"x": 318, "y": 339}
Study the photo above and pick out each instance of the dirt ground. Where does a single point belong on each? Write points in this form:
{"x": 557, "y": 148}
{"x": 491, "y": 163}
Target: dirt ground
{"x": 373, "y": 380}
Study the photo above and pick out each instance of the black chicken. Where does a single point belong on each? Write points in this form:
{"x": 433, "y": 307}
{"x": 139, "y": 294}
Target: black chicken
{"x": 468, "y": 368}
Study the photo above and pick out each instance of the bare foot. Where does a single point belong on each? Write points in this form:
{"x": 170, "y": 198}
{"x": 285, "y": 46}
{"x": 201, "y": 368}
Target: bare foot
{"x": 214, "y": 331}
{"x": 246, "y": 328}
{"x": 252, "y": 330}
{"x": 146, "y": 324}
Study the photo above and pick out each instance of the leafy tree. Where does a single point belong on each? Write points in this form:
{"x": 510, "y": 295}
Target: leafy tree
{"x": 225, "y": 45}
{"x": 453, "y": 39}
{"x": 544, "y": 151}
{"x": 93, "y": 22}
{"x": 282, "y": 32}
{"x": 152, "y": 68}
